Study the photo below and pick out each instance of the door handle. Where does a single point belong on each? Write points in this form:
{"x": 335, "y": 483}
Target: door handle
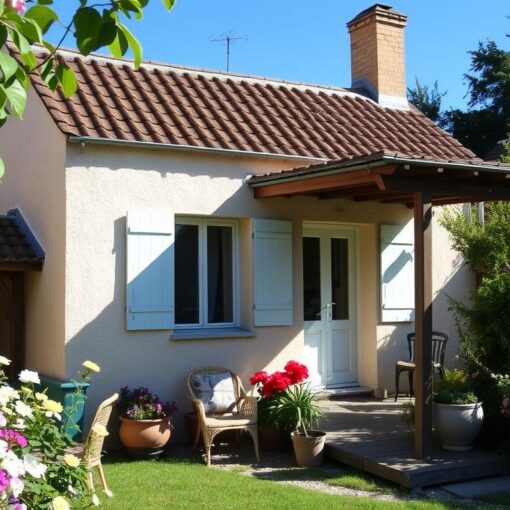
{"x": 329, "y": 308}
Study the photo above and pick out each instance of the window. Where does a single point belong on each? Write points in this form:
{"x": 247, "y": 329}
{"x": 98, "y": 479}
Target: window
{"x": 205, "y": 272}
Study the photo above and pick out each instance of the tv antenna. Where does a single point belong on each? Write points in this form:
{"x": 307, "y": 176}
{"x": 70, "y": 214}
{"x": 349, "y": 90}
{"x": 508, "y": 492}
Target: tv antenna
{"x": 227, "y": 39}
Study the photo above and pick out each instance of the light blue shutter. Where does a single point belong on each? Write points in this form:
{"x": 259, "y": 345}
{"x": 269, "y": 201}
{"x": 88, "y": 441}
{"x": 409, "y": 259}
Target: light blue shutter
{"x": 272, "y": 273}
{"x": 397, "y": 273}
{"x": 150, "y": 270}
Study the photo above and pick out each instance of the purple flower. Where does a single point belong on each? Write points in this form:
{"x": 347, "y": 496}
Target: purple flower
{"x": 5, "y": 481}
{"x": 13, "y": 437}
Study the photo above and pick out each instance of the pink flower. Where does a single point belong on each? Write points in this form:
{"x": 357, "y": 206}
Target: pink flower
{"x": 17, "y": 5}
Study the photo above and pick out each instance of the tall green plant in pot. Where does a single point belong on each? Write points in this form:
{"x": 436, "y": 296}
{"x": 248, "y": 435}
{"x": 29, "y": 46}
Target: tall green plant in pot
{"x": 458, "y": 413}
{"x": 290, "y": 404}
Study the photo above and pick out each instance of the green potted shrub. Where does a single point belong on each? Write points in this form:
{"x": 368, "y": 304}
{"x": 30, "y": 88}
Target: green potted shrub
{"x": 290, "y": 405}
{"x": 458, "y": 413}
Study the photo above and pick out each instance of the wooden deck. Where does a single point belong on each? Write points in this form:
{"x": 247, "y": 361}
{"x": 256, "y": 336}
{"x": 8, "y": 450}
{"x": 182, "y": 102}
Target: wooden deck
{"x": 370, "y": 435}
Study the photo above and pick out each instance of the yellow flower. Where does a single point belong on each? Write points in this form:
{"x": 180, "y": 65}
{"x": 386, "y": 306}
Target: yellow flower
{"x": 91, "y": 366}
{"x": 41, "y": 397}
{"x": 100, "y": 430}
{"x": 51, "y": 405}
{"x": 71, "y": 460}
{"x": 60, "y": 503}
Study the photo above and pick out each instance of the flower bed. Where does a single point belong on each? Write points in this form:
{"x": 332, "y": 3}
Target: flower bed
{"x": 35, "y": 470}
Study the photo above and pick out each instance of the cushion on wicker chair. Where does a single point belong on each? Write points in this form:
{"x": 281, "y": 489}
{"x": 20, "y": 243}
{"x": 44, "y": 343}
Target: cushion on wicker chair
{"x": 215, "y": 390}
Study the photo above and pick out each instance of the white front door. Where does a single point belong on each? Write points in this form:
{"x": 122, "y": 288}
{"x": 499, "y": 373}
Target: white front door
{"x": 329, "y": 282}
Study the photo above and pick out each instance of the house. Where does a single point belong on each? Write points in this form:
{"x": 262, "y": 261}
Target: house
{"x": 190, "y": 217}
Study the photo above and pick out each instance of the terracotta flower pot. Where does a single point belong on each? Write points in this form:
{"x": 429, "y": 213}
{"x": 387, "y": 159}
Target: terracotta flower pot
{"x": 145, "y": 437}
{"x": 309, "y": 450}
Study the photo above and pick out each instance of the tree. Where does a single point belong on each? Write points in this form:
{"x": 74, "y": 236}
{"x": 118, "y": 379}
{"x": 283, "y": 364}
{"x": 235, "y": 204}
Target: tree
{"x": 483, "y": 324}
{"x": 94, "y": 25}
{"x": 487, "y": 121}
{"x": 427, "y": 100}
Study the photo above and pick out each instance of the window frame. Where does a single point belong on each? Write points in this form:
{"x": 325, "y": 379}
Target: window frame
{"x": 203, "y": 309}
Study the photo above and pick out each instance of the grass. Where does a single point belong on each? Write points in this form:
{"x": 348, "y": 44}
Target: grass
{"x": 336, "y": 477}
{"x": 185, "y": 484}
{"x": 496, "y": 498}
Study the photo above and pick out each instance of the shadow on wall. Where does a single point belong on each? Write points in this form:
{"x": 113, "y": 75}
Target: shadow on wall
{"x": 393, "y": 345}
{"x": 150, "y": 358}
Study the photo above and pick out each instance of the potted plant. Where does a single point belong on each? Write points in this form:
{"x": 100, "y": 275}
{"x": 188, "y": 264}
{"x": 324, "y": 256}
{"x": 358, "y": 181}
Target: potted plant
{"x": 289, "y": 405}
{"x": 146, "y": 426}
{"x": 458, "y": 414}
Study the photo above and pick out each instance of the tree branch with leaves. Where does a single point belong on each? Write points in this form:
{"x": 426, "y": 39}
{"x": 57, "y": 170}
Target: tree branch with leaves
{"x": 24, "y": 25}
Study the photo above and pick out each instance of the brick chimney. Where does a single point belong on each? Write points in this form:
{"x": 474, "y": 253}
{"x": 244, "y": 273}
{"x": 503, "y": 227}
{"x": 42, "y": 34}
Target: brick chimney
{"x": 377, "y": 55}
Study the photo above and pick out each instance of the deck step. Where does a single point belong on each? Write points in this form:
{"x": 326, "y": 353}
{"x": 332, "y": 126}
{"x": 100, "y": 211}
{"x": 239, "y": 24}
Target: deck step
{"x": 356, "y": 391}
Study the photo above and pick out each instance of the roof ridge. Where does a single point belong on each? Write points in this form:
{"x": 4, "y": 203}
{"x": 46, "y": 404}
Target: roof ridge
{"x": 212, "y": 73}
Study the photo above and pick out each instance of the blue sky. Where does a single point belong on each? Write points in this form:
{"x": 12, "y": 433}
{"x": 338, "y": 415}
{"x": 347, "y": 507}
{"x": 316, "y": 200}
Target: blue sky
{"x": 308, "y": 41}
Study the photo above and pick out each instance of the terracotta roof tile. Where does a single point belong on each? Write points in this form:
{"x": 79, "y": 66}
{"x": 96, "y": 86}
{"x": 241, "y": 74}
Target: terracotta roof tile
{"x": 171, "y": 105}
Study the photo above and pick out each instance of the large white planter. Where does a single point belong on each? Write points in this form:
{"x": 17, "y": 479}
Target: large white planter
{"x": 458, "y": 425}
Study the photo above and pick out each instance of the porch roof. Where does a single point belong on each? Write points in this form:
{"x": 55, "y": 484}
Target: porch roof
{"x": 19, "y": 248}
{"x": 390, "y": 178}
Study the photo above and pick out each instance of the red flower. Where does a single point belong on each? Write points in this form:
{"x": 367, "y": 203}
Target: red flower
{"x": 296, "y": 372}
{"x": 279, "y": 381}
{"x": 259, "y": 377}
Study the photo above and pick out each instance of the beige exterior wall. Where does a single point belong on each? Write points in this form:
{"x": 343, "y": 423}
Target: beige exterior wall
{"x": 104, "y": 182}
{"x": 34, "y": 153}
{"x": 451, "y": 277}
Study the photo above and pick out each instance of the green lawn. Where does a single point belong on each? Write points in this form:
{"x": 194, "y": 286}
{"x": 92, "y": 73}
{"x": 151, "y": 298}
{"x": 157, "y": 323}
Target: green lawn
{"x": 185, "y": 484}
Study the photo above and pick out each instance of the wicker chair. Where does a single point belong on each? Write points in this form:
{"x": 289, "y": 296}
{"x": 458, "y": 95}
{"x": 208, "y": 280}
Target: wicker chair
{"x": 90, "y": 451}
{"x": 439, "y": 340}
{"x": 241, "y": 414}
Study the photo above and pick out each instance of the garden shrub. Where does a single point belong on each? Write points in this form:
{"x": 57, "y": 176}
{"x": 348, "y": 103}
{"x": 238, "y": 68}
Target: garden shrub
{"x": 484, "y": 323}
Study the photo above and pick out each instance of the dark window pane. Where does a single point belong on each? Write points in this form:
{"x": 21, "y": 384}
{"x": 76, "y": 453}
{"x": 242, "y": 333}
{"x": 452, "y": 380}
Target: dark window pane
{"x": 312, "y": 278}
{"x": 220, "y": 294}
{"x": 186, "y": 274}
{"x": 340, "y": 278}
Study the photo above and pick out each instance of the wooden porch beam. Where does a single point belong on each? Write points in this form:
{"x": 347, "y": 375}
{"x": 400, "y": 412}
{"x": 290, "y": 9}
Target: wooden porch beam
{"x": 453, "y": 188}
{"x": 357, "y": 178}
{"x": 423, "y": 324}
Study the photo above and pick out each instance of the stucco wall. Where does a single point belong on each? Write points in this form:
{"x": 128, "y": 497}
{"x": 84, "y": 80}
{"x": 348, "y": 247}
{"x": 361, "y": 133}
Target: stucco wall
{"x": 104, "y": 182}
{"x": 451, "y": 277}
{"x": 34, "y": 154}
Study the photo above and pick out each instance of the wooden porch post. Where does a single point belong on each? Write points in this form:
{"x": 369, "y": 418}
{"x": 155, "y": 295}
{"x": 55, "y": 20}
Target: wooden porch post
{"x": 423, "y": 324}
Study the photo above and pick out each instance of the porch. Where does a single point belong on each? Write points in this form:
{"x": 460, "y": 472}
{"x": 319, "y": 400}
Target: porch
{"x": 370, "y": 435}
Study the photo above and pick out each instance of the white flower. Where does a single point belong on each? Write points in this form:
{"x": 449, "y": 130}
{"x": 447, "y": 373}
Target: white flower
{"x": 3, "y": 419}
{"x": 33, "y": 466}
{"x": 4, "y": 448}
{"x": 23, "y": 409}
{"x": 17, "y": 487}
{"x": 27, "y": 376}
{"x": 60, "y": 503}
{"x": 100, "y": 430}
{"x": 20, "y": 424}
{"x": 95, "y": 500}
{"x": 13, "y": 465}
{"x": 72, "y": 490}
{"x": 7, "y": 394}
{"x": 4, "y": 361}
